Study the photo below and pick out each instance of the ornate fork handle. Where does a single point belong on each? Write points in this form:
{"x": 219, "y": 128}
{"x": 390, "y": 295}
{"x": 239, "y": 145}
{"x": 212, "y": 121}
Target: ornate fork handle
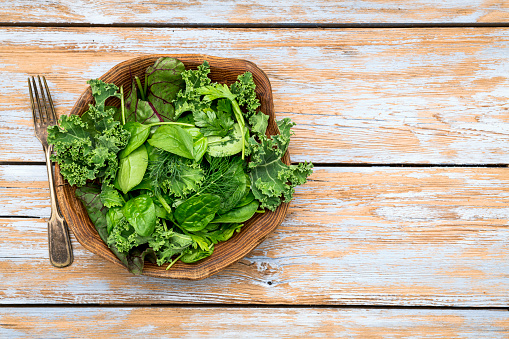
{"x": 60, "y": 250}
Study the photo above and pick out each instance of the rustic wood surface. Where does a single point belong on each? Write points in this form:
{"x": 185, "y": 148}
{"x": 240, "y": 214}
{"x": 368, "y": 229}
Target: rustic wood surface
{"x": 262, "y": 11}
{"x": 265, "y": 322}
{"x": 353, "y": 236}
{"x": 389, "y": 238}
{"x": 428, "y": 96}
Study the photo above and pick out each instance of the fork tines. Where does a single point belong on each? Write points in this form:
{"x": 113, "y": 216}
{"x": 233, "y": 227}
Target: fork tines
{"x": 45, "y": 112}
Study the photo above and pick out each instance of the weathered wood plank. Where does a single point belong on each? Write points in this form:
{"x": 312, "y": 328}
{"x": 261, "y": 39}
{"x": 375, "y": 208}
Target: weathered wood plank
{"x": 264, "y": 322}
{"x": 353, "y": 236}
{"x": 263, "y": 11}
{"x": 358, "y": 96}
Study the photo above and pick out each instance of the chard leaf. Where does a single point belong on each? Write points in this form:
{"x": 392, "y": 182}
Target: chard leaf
{"x": 164, "y": 80}
{"x": 173, "y": 139}
{"x": 271, "y": 179}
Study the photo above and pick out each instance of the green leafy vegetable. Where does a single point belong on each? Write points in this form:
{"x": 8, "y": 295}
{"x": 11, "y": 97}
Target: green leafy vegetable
{"x": 238, "y": 215}
{"x": 86, "y": 148}
{"x": 164, "y": 80}
{"x": 195, "y": 213}
{"x": 132, "y": 169}
{"x": 141, "y": 214}
{"x": 173, "y": 139}
{"x": 139, "y": 134}
{"x": 170, "y": 162}
{"x": 271, "y": 179}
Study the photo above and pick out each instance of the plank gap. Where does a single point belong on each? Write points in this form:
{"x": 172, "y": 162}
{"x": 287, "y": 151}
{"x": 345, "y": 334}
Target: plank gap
{"x": 289, "y": 25}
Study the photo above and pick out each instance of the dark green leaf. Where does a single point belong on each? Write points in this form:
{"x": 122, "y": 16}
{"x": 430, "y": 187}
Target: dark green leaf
{"x": 238, "y": 215}
{"x": 141, "y": 214}
{"x": 195, "y": 213}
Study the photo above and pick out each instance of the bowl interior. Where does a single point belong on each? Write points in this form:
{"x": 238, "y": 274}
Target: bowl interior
{"x": 254, "y": 231}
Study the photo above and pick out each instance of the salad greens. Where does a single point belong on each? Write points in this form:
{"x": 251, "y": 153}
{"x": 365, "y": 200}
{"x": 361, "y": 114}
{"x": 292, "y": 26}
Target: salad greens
{"x": 179, "y": 167}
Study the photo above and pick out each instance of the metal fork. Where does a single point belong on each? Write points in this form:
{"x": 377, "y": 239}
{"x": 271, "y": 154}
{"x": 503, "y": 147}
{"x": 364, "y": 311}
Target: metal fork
{"x": 60, "y": 250}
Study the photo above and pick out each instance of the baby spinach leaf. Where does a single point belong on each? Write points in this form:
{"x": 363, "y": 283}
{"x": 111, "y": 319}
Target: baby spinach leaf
{"x": 196, "y": 254}
{"x": 132, "y": 169}
{"x": 141, "y": 214}
{"x": 139, "y": 134}
{"x": 113, "y": 217}
{"x": 238, "y": 215}
{"x": 195, "y": 213}
{"x": 173, "y": 139}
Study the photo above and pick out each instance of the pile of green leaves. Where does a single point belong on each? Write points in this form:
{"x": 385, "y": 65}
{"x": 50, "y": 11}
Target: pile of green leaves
{"x": 179, "y": 167}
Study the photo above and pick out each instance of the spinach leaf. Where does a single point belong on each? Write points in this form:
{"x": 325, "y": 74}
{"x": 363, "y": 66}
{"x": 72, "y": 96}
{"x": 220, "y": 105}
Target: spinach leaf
{"x": 238, "y": 215}
{"x": 173, "y": 139}
{"x": 196, "y": 254}
{"x": 139, "y": 134}
{"x": 195, "y": 213}
{"x": 141, "y": 214}
{"x": 132, "y": 169}
{"x": 113, "y": 217}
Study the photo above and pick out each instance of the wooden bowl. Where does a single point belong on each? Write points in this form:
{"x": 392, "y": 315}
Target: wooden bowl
{"x": 254, "y": 231}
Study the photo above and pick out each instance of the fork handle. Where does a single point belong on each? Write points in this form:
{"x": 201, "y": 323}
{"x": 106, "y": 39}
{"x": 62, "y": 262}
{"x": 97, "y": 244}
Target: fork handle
{"x": 60, "y": 250}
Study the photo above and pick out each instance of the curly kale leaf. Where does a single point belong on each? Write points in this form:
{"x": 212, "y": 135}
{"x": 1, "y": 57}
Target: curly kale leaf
{"x": 189, "y": 99}
{"x": 86, "y": 147}
{"x": 244, "y": 91}
{"x": 271, "y": 179}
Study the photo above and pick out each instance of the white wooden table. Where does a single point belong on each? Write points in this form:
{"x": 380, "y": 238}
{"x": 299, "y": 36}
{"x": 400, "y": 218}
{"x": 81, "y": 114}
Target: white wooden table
{"x": 402, "y": 229}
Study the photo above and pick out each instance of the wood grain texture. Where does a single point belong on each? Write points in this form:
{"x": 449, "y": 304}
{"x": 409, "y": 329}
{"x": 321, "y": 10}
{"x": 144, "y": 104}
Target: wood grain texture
{"x": 265, "y": 322}
{"x": 263, "y": 11}
{"x": 353, "y": 236}
{"x": 357, "y": 95}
